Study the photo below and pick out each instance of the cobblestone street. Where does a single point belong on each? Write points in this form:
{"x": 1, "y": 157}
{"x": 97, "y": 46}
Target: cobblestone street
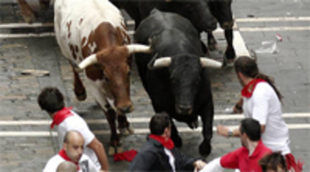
{"x": 25, "y": 140}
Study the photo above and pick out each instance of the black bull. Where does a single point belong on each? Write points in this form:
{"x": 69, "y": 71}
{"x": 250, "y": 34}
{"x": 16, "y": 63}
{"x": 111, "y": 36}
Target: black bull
{"x": 200, "y": 12}
{"x": 174, "y": 75}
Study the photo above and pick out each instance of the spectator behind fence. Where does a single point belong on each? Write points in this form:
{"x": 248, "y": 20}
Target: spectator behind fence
{"x": 159, "y": 153}
{"x": 245, "y": 158}
{"x": 262, "y": 101}
{"x": 72, "y": 151}
{"x": 52, "y": 101}
{"x": 274, "y": 162}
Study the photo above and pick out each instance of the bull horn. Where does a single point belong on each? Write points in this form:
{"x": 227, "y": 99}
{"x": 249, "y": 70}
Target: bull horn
{"x": 92, "y": 59}
{"x": 207, "y": 62}
{"x": 138, "y": 48}
{"x": 162, "y": 62}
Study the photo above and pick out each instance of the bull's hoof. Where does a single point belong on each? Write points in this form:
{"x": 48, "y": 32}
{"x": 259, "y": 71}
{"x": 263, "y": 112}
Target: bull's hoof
{"x": 80, "y": 95}
{"x": 29, "y": 19}
{"x": 126, "y": 131}
{"x": 228, "y": 63}
{"x": 115, "y": 149}
{"x": 230, "y": 55}
{"x": 205, "y": 148}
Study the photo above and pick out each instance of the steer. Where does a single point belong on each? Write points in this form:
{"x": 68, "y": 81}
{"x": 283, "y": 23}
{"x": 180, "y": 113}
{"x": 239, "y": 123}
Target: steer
{"x": 92, "y": 33}
{"x": 200, "y": 12}
{"x": 175, "y": 75}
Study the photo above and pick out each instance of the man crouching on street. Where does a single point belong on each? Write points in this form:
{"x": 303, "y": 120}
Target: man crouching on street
{"x": 159, "y": 153}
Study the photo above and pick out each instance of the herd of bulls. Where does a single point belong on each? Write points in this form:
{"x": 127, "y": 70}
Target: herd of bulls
{"x": 169, "y": 54}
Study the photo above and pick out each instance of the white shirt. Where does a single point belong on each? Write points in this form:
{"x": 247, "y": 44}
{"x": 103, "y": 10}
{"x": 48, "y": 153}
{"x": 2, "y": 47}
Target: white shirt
{"x": 77, "y": 123}
{"x": 86, "y": 165}
{"x": 213, "y": 166}
{"x": 171, "y": 158}
{"x": 265, "y": 106}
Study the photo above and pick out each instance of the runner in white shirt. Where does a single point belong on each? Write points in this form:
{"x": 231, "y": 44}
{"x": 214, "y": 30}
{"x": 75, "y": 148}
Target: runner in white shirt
{"x": 73, "y": 152}
{"x": 52, "y": 101}
{"x": 75, "y": 122}
{"x": 265, "y": 107}
{"x": 262, "y": 101}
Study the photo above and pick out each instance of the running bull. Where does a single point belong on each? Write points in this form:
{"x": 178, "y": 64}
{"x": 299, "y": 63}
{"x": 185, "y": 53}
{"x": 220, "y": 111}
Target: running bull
{"x": 92, "y": 33}
{"x": 175, "y": 75}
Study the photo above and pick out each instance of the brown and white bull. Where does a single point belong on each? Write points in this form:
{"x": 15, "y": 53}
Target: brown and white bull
{"x": 92, "y": 33}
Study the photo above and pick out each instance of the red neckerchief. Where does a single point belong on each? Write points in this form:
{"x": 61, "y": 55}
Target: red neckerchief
{"x": 291, "y": 164}
{"x": 166, "y": 143}
{"x": 61, "y": 115}
{"x": 127, "y": 155}
{"x": 64, "y": 155}
{"x": 248, "y": 90}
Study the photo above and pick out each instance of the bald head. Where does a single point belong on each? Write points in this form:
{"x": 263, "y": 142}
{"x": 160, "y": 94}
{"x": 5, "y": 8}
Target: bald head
{"x": 66, "y": 166}
{"x": 74, "y": 145}
{"x": 73, "y": 136}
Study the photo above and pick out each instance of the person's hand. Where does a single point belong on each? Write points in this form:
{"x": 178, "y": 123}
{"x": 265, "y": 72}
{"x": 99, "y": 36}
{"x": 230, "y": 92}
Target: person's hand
{"x": 199, "y": 164}
{"x": 222, "y": 130}
{"x": 101, "y": 170}
{"x": 238, "y": 107}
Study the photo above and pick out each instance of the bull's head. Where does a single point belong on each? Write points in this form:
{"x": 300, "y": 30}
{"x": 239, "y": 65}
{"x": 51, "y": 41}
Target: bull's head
{"x": 113, "y": 64}
{"x": 185, "y": 77}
